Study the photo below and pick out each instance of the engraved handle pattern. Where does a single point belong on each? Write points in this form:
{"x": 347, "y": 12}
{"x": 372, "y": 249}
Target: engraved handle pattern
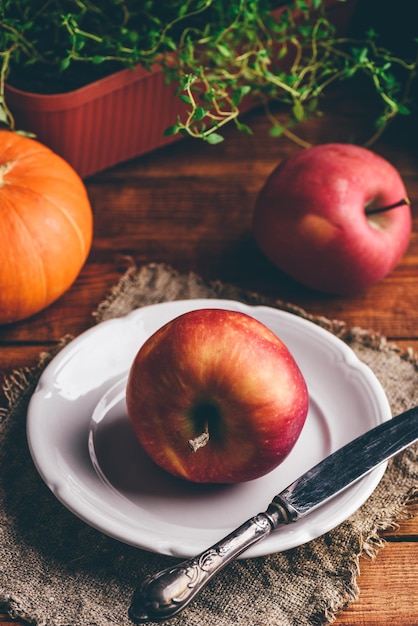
{"x": 166, "y": 593}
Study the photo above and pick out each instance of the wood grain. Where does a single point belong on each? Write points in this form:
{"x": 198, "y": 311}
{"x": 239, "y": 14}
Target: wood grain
{"x": 388, "y": 587}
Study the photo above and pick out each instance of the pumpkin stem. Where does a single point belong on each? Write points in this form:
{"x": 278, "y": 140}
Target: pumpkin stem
{"x": 5, "y": 169}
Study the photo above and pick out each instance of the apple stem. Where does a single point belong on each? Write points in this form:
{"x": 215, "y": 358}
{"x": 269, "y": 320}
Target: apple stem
{"x": 389, "y": 207}
{"x": 200, "y": 441}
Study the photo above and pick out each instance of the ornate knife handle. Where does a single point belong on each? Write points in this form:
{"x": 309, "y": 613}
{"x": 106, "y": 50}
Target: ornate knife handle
{"x": 167, "y": 592}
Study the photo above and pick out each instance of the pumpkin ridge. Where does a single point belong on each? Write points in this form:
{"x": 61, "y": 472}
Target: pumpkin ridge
{"x": 84, "y": 248}
{"x": 37, "y": 195}
{"x": 35, "y": 256}
{"x": 43, "y": 198}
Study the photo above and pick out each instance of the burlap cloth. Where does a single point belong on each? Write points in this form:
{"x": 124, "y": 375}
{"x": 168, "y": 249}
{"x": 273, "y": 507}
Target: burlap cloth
{"x": 56, "y": 570}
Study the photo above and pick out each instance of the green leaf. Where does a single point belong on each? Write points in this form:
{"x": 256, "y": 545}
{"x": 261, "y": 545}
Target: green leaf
{"x": 199, "y": 113}
{"x": 282, "y": 51}
{"x": 187, "y": 80}
{"x": 243, "y": 128}
{"x": 403, "y": 110}
{"x": 238, "y": 94}
{"x": 312, "y": 105}
{"x": 79, "y": 44}
{"x": 371, "y": 33}
{"x": 305, "y": 30}
{"x": 302, "y": 5}
{"x": 64, "y": 64}
{"x": 360, "y": 54}
{"x": 224, "y": 50}
{"x": 171, "y": 44}
{"x": 25, "y": 133}
{"x": 171, "y": 130}
{"x": 276, "y": 131}
{"x": 298, "y": 111}
{"x": 183, "y": 9}
{"x": 214, "y": 138}
{"x": 3, "y": 116}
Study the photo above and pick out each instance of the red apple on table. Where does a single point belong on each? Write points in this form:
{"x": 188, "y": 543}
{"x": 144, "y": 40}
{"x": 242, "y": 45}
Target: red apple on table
{"x": 335, "y": 217}
{"x": 215, "y": 396}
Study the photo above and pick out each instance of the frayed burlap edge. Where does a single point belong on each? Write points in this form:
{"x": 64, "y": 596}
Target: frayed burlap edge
{"x": 17, "y": 385}
{"x": 132, "y": 292}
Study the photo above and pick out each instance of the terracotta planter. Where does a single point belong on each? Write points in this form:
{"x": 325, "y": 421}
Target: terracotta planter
{"x": 116, "y": 118}
{"x": 107, "y": 122}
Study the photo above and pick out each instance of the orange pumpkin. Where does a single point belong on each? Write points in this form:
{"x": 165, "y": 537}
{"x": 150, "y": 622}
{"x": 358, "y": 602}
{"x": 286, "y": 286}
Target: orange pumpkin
{"x": 46, "y": 226}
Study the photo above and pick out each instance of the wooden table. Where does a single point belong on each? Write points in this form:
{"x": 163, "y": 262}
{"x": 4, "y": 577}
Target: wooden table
{"x": 190, "y": 205}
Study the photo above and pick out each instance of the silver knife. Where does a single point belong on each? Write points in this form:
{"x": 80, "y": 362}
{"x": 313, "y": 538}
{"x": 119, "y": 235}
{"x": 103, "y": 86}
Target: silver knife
{"x": 167, "y": 592}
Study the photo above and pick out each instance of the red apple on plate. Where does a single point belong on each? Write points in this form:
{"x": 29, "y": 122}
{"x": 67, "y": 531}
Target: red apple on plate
{"x": 215, "y": 396}
{"x": 335, "y": 217}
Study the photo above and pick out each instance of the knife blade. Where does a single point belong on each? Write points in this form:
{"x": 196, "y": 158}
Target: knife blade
{"x": 166, "y": 593}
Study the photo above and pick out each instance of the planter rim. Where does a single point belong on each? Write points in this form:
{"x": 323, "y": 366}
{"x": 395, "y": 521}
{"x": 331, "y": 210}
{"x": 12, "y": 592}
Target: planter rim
{"x": 76, "y": 98}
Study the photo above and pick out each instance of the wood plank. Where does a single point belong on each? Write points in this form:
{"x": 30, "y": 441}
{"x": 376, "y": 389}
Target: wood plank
{"x": 407, "y": 530}
{"x": 388, "y": 589}
{"x": 72, "y": 313}
{"x": 388, "y": 308}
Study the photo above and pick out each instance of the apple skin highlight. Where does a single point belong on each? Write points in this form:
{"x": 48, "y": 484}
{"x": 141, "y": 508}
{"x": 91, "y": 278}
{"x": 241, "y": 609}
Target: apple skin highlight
{"x": 314, "y": 218}
{"x": 226, "y": 370}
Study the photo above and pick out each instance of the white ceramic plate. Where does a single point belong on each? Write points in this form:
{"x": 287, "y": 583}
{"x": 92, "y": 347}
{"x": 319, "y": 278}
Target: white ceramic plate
{"x": 83, "y": 446}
